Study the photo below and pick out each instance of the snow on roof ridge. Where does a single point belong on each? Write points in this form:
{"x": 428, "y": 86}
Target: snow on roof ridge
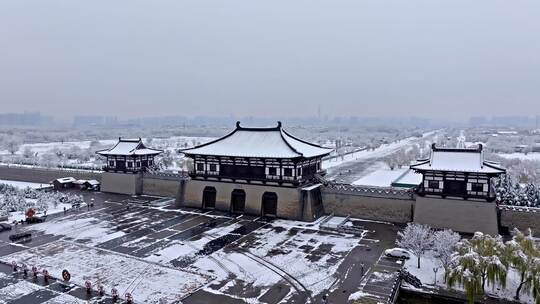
{"x": 458, "y": 159}
{"x": 279, "y": 144}
{"x": 128, "y": 146}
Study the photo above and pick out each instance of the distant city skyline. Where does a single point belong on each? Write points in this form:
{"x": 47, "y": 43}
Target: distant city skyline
{"x": 447, "y": 60}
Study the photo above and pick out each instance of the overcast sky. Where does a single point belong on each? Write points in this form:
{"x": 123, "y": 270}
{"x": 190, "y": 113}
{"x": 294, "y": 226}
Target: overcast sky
{"x": 452, "y": 58}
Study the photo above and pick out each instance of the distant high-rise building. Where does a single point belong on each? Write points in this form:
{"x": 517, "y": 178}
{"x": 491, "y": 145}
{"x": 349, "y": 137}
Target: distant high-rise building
{"x": 24, "y": 119}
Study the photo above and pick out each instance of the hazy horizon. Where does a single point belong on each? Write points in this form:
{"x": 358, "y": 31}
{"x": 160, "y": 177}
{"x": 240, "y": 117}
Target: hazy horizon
{"x": 449, "y": 60}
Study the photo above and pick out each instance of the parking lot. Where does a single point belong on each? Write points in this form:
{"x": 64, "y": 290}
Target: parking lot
{"x": 156, "y": 252}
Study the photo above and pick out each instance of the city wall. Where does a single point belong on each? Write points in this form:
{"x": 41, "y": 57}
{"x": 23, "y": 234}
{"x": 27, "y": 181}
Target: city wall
{"x": 360, "y": 202}
{"x": 465, "y": 216}
{"x": 161, "y": 184}
{"x": 381, "y": 204}
{"x": 522, "y": 218}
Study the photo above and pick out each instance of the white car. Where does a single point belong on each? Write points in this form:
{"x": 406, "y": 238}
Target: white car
{"x": 397, "y": 253}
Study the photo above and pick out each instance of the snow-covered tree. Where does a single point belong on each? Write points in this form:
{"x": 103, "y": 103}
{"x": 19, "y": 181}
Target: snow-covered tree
{"x": 444, "y": 246}
{"x": 13, "y": 144}
{"x": 49, "y": 160}
{"x": 478, "y": 261}
{"x": 524, "y": 256}
{"x": 416, "y": 238}
{"x": 28, "y": 153}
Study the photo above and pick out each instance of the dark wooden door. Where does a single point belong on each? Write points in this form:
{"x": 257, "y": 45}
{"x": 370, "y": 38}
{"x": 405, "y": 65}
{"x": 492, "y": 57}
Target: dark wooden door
{"x": 455, "y": 188}
{"x": 269, "y": 204}
{"x": 209, "y": 198}
{"x": 238, "y": 201}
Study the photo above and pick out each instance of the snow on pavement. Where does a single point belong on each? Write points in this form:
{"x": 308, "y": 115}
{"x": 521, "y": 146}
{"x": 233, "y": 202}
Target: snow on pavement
{"x": 17, "y": 290}
{"x": 92, "y": 230}
{"x": 65, "y": 298}
{"x": 148, "y": 282}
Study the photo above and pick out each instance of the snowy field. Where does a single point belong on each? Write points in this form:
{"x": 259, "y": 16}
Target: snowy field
{"x": 522, "y": 156}
{"x": 381, "y": 178}
{"x": 81, "y": 154}
{"x": 384, "y": 177}
{"x": 23, "y": 185}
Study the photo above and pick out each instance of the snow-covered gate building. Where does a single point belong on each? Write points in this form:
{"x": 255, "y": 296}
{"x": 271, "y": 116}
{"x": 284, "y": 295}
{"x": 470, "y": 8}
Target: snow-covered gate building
{"x": 456, "y": 190}
{"x": 126, "y": 162}
{"x": 260, "y": 171}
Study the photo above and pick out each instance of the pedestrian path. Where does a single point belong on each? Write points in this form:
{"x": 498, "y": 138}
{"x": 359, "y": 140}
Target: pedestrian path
{"x": 383, "y": 282}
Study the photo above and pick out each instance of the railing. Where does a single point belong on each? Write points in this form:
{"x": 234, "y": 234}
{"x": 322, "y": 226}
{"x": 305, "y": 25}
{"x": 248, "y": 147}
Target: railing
{"x": 386, "y": 192}
{"x": 277, "y": 179}
{"x": 182, "y": 175}
{"x": 519, "y": 208}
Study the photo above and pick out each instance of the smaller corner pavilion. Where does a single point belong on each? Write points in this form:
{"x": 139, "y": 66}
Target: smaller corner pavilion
{"x": 257, "y": 155}
{"x": 457, "y": 172}
{"x": 129, "y": 156}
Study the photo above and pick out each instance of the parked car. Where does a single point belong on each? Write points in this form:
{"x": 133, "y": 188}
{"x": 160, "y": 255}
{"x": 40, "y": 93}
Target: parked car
{"x": 35, "y": 220}
{"x": 19, "y": 236}
{"x": 4, "y": 227}
{"x": 397, "y": 253}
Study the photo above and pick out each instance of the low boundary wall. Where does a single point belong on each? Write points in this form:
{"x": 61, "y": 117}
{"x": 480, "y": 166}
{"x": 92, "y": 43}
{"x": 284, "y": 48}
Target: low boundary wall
{"x": 465, "y": 216}
{"x": 372, "y": 203}
{"x": 522, "y": 218}
{"x": 162, "y": 184}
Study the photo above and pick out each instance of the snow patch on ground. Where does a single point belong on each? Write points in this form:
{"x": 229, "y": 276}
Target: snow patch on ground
{"x": 92, "y": 230}
{"x": 148, "y": 282}
{"x": 65, "y": 298}
{"x": 17, "y": 290}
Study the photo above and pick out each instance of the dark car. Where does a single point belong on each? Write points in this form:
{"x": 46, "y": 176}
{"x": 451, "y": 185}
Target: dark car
{"x": 20, "y": 236}
{"x": 35, "y": 220}
{"x": 4, "y": 227}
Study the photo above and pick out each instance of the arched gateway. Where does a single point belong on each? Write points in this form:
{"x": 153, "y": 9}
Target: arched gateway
{"x": 209, "y": 198}
{"x": 238, "y": 201}
{"x": 256, "y": 165}
{"x": 269, "y": 204}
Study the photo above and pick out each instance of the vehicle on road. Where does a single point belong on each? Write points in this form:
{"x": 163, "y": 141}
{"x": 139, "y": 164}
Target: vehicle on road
{"x": 35, "y": 220}
{"x": 20, "y": 236}
{"x": 4, "y": 227}
{"x": 397, "y": 253}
